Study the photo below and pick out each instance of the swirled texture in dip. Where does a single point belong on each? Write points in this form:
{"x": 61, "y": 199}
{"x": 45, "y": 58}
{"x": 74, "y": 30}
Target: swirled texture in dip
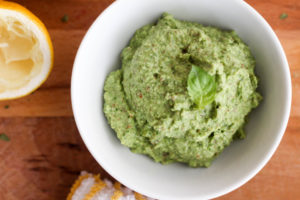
{"x": 147, "y": 102}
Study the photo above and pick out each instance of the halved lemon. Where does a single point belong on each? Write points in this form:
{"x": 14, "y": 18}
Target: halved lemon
{"x": 26, "y": 51}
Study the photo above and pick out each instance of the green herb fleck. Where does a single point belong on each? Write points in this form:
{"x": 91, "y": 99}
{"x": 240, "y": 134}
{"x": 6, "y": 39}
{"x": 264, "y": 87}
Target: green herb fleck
{"x": 6, "y": 107}
{"x": 283, "y": 16}
{"x": 4, "y": 137}
{"x": 65, "y": 18}
{"x": 201, "y": 87}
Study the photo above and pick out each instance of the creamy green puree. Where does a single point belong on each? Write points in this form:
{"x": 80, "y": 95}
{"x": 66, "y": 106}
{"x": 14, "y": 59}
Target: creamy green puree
{"x": 183, "y": 92}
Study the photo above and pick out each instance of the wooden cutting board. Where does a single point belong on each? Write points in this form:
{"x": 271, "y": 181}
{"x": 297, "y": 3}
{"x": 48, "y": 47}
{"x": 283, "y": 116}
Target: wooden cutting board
{"x": 45, "y": 153}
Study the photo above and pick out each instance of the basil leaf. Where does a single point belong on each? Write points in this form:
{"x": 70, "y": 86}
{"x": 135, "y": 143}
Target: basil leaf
{"x": 201, "y": 87}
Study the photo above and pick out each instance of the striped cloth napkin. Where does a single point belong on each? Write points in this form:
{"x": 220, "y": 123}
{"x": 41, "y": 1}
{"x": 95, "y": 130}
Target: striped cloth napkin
{"x": 91, "y": 187}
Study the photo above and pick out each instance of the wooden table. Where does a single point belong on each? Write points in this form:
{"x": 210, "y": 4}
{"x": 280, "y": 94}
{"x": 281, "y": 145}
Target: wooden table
{"x": 46, "y": 153}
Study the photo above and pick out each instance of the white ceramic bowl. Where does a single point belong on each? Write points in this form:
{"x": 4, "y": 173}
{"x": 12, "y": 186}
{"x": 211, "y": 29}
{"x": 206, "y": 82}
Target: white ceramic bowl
{"x": 99, "y": 54}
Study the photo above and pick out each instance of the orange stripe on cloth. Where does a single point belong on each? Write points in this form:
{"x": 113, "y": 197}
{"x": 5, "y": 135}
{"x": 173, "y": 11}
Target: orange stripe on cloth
{"x": 97, "y": 187}
{"x": 76, "y": 185}
{"x": 138, "y": 196}
{"x": 117, "y": 194}
{"x": 117, "y": 186}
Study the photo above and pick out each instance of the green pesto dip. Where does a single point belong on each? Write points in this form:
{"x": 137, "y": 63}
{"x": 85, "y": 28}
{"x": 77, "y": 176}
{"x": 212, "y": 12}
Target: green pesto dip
{"x": 148, "y": 104}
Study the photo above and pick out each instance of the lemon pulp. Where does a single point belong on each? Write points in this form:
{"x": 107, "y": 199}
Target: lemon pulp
{"x": 20, "y": 55}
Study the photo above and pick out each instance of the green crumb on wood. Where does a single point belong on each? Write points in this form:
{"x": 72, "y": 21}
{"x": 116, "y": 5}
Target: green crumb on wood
{"x": 4, "y": 137}
{"x": 65, "y": 18}
{"x": 6, "y": 107}
{"x": 283, "y": 16}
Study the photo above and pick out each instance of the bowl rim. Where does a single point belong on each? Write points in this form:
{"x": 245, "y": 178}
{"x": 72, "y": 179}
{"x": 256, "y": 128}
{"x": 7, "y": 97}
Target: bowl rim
{"x": 232, "y": 186}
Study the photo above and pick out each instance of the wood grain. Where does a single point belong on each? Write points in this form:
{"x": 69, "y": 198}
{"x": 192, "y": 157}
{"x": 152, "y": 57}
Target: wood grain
{"x": 46, "y": 153}
{"x": 42, "y": 159}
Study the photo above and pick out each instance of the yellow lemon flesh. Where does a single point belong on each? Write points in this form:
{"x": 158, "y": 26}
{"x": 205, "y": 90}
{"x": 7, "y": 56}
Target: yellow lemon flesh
{"x": 26, "y": 52}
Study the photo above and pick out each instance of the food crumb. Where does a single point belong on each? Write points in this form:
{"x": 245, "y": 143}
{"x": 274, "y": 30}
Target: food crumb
{"x": 283, "y": 16}
{"x": 6, "y": 107}
{"x": 4, "y": 137}
{"x": 65, "y": 18}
